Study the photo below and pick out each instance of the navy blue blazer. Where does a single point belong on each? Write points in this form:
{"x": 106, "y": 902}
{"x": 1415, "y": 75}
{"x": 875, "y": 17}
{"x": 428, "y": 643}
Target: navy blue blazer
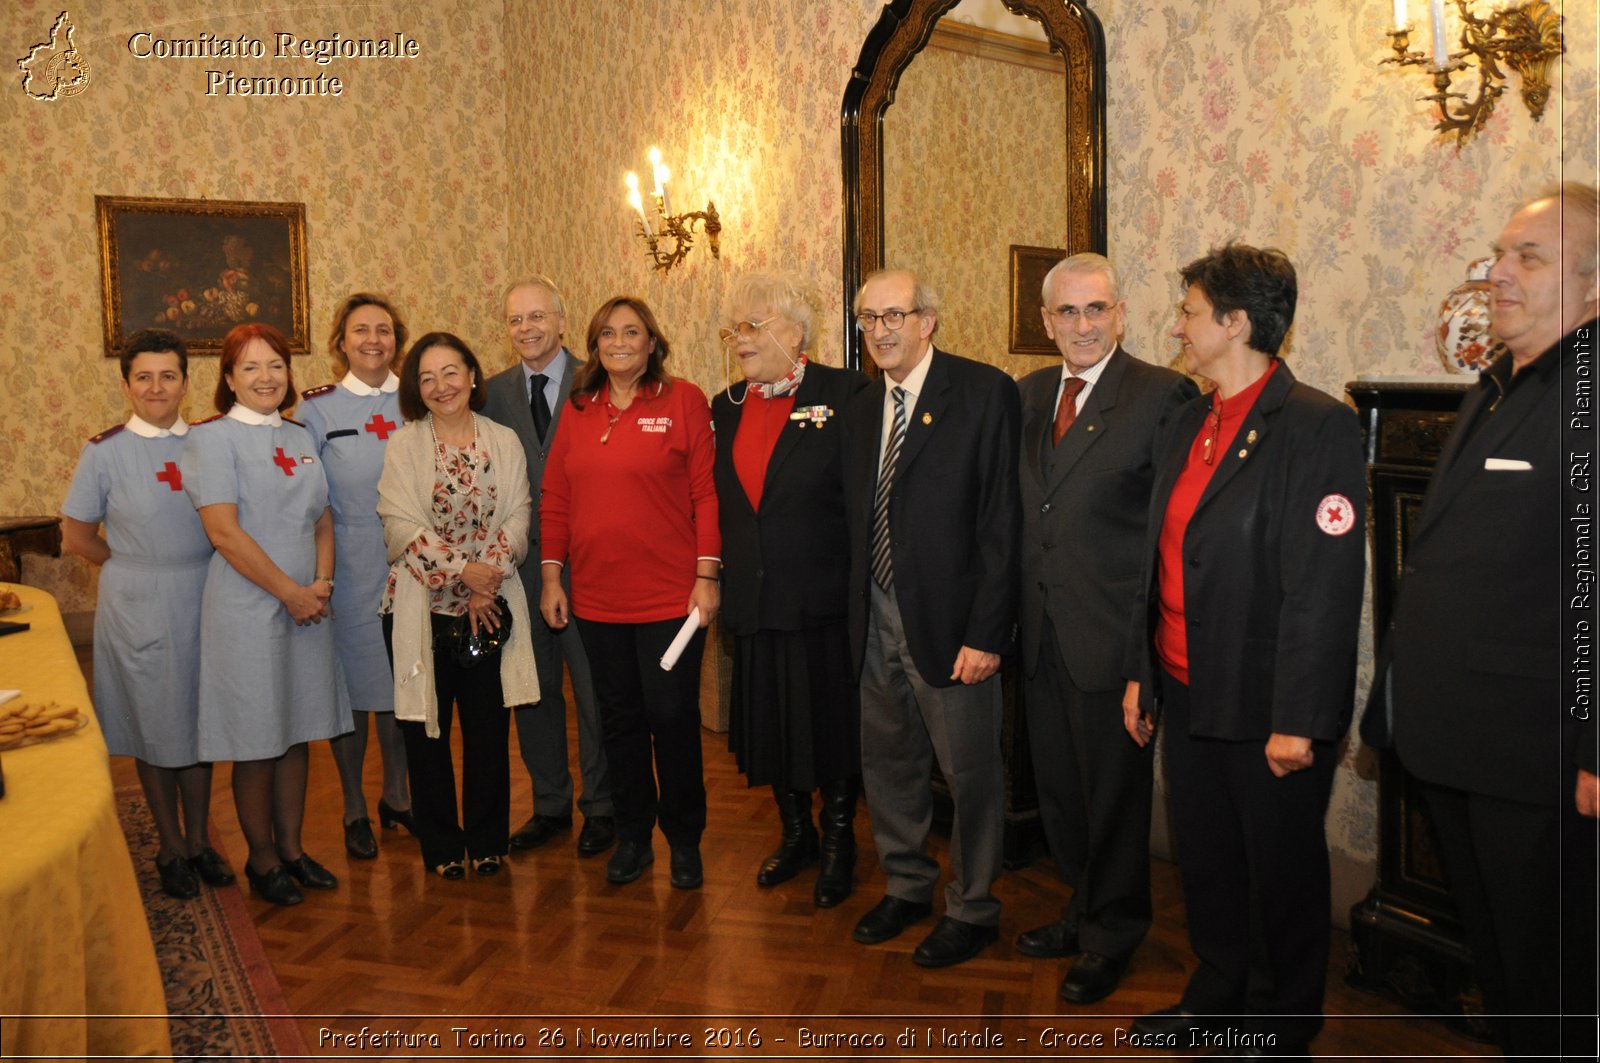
{"x": 1274, "y": 561}
{"x": 786, "y": 566}
{"x": 954, "y": 516}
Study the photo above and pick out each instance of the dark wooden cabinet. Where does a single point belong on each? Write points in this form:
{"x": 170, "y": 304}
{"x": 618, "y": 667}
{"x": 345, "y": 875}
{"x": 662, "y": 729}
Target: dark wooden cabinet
{"x": 1407, "y": 938}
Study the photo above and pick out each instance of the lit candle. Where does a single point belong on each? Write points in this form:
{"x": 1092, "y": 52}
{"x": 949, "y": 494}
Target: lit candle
{"x": 1399, "y": 14}
{"x": 1441, "y": 47}
{"x": 636, "y": 203}
{"x": 655, "y": 168}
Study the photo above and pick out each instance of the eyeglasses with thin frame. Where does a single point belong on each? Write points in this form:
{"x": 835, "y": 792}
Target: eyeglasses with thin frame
{"x": 1094, "y": 313}
{"x": 892, "y": 319}
{"x": 744, "y": 331}
{"x": 538, "y": 317}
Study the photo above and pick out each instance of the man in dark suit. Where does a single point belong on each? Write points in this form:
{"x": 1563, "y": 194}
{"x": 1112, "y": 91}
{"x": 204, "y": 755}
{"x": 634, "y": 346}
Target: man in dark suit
{"x": 1475, "y": 686}
{"x": 1089, "y": 430}
{"x": 931, "y": 488}
{"x": 528, "y": 398}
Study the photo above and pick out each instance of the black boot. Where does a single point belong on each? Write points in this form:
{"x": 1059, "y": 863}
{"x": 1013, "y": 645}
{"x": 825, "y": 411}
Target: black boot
{"x": 835, "y": 878}
{"x": 798, "y": 846}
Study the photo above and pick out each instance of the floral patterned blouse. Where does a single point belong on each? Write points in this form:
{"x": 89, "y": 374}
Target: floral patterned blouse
{"x": 463, "y": 504}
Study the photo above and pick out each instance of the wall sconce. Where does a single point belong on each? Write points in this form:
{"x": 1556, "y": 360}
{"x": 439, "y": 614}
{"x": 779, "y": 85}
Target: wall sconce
{"x": 679, "y": 228}
{"x": 1527, "y": 38}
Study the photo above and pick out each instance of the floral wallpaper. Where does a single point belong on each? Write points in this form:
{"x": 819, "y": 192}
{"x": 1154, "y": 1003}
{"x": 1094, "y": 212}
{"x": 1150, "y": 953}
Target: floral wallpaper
{"x": 503, "y": 149}
{"x": 404, "y": 179}
{"x": 969, "y": 170}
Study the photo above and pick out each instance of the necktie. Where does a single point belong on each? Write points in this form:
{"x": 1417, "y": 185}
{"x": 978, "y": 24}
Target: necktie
{"x": 1067, "y": 412}
{"x": 538, "y": 406}
{"x": 882, "y": 562}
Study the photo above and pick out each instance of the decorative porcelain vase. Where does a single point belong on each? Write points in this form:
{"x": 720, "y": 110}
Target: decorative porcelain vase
{"x": 1462, "y": 337}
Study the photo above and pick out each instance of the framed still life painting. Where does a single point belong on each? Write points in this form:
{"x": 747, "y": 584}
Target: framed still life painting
{"x": 198, "y": 267}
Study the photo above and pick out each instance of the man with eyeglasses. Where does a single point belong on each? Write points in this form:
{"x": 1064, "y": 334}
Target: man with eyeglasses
{"x": 931, "y": 489}
{"x": 1089, "y": 430}
{"x": 528, "y": 398}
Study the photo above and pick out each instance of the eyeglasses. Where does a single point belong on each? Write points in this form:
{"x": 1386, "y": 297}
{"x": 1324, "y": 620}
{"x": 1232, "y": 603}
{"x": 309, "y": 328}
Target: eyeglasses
{"x": 1094, "y": 313}
{"x": 744, "y": 331}
{"x": 538, "y": 317}
{"x": 892, "y": 319}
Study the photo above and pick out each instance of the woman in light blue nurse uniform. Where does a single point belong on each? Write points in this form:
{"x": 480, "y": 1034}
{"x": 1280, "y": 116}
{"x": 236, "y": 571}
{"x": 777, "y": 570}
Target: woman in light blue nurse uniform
{"x": 351, "y": 423}
{"x": 147, "y": 617}
{"x": 269, "y": 679}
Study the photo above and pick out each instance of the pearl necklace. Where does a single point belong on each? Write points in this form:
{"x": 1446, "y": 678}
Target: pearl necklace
{"x": 469, "y": 453}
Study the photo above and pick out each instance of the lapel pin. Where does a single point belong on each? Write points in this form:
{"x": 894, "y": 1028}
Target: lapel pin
{"x": 1088, "y": 428}
{"x": 1251, "y": 438}
{"x": 927, "y": 418}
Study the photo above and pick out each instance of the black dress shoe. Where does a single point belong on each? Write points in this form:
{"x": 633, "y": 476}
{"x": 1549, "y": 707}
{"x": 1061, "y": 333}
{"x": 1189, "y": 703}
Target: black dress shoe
{"x": 952, "y": 942}
{"x": 178, "y": 879}
{"x": 275, "y": 886}
{"x": 309, "y": 873}
{"x": 1165, "y": 1023}
{"x": 1050, "y": 941}
{"x": 1092, "y": 978}
{"x": 889, "y": 919}
{"x": 539, "y": 830}
{"x": 211, "y": 868}
{"x": 598, "y": 835}
{"x": 629, "y": 862}
{"x": 687, "y": 872}
{"x": 358, "y": 839}
{"x": 390, "y": 817}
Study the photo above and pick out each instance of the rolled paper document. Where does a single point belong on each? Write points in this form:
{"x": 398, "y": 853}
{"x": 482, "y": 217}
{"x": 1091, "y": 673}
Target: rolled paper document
{"x": 691, "y": 624}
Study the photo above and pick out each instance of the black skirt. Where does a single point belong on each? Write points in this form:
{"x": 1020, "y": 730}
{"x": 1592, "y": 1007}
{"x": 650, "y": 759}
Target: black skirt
{"x": 795, "y": 718}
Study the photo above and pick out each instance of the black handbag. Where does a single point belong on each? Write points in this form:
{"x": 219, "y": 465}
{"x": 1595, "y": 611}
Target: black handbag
{"x": 469, "y": 650}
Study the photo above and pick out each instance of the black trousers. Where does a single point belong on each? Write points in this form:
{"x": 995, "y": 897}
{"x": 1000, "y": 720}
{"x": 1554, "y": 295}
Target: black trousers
{"x": 1523, "y": 877}
{"x": 483, "y": 825}
{"x": 1095, "y": 790}
{"x": 651, "y": 721}
{"x": 1253, "y": 859}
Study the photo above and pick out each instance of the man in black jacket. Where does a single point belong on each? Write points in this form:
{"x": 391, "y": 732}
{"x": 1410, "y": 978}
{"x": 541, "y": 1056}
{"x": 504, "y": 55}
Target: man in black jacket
{"x": 1477, "y": 687}
{"x": 930, "y": 458}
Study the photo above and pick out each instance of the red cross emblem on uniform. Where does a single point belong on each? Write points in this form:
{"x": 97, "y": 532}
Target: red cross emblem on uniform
{"x": 171, "y": 476}
{"x": 380, "y": 427}
{"x": 284, "y": 462}
{"x": 1335, "y": 515}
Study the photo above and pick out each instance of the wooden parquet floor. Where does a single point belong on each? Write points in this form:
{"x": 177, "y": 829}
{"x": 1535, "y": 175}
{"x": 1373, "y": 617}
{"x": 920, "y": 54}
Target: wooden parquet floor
{"x": 548, "y": 951}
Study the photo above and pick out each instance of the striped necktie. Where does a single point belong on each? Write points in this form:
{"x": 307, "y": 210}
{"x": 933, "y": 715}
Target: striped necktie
{"x": 882, "y": 562}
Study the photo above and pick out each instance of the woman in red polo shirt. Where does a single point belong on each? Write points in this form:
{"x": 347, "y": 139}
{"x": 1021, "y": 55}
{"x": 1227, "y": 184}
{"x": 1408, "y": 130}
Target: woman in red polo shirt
{"x": 629, "y": 502}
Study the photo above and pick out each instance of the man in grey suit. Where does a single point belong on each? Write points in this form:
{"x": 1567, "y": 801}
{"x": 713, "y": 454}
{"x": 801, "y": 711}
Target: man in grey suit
{"x": 528, "y": 399}
{"x": 1089, "y": 433}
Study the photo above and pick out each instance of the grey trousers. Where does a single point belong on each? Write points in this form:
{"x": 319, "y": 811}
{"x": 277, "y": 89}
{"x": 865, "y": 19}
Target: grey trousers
{"x": 905, "y": 725}
{"x": 542, "y": 728}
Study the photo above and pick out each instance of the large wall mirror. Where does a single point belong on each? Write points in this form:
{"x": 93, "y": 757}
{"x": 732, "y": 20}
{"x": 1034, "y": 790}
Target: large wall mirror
{"x": 971, "y": 127}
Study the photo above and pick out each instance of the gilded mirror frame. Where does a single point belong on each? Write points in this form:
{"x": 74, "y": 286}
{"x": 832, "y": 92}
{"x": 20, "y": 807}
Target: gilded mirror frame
{"x": 899, "y": 35}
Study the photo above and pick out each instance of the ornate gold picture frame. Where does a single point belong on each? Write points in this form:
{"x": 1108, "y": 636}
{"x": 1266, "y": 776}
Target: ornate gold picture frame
{"x": 198, "y": 267}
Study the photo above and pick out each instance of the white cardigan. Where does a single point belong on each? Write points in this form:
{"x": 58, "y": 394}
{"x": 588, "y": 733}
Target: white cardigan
{"x": 405, "y": 502}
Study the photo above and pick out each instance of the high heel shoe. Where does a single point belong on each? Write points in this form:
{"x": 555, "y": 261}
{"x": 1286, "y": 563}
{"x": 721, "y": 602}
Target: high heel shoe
{"x": 275, "y": 886}
{"x": 358, "y": 839}
{"x": 388, "y": 817}
{"x": 488, "y": 865}
{"x": 450, "y": 869}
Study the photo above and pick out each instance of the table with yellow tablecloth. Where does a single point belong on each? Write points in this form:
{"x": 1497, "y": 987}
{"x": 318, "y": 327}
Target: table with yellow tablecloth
{"x": 78, "y": 973}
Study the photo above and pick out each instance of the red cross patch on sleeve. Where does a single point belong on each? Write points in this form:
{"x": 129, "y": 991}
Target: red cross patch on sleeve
{"x": 1335, "y": 514}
